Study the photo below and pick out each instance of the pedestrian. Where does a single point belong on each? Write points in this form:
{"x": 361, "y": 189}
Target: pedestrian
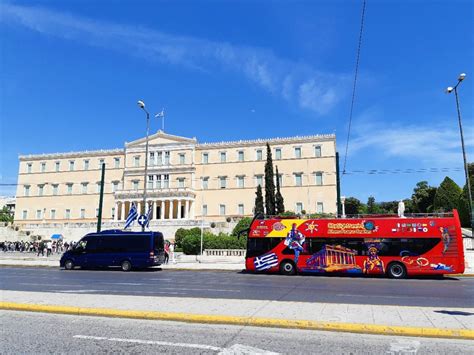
{"x": 167, "y": 252}
{"x": 40, "y": 248}
{"x": 171, "y": 251}
{"x": 49, "y": 248}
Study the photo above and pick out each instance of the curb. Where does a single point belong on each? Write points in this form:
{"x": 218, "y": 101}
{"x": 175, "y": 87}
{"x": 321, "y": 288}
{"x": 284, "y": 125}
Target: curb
{"x": 245, "y": 321}
{"x": 162, "y": 268}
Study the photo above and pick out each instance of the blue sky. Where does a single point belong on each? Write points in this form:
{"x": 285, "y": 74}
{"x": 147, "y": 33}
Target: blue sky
{"x": 72, "y": 71}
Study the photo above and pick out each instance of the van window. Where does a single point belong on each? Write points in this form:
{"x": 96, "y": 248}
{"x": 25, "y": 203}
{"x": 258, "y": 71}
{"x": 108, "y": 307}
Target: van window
{"x": 158, "y": 242}
{"x": 124, "y": 243}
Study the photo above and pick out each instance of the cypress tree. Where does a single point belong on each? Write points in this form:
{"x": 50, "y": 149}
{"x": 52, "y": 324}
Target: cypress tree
{"x": 269, "y": 184}
{"x": 259, "y": 202}
{"x": 280, "y": 206}
{"x": 447, "y": 195}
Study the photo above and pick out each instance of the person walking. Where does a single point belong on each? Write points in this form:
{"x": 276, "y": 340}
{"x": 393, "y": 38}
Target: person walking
{"x": 167, "y": 252}
{"x": 171, "y": 251}
{"x": 49, "y": 248}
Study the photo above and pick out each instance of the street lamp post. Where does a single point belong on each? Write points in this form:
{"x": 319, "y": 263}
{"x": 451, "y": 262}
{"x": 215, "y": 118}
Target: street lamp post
{"x": 449, "y": 90}
{"x": 141, "y": 104}
{"x": 343, "y": 205}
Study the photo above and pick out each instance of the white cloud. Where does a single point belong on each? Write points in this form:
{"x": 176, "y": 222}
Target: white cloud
{"x": 294, "y": 82}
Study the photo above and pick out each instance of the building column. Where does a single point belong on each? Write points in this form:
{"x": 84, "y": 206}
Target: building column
{"x": 162, "y": 209}
{"x": 139, "y": 208}
{"x": 186, "y": 209}
{"x": 178, "y": 214}
{"x": 122, "y": 207}
{"x": 153, "y": 215}
{"x": 192, "y": 210}
{"x": 116, "y": 212}
{"x": 170, "y": 210}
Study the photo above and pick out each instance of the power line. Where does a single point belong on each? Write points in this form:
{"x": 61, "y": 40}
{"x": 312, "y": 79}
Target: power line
{"x": 354, "y": 87}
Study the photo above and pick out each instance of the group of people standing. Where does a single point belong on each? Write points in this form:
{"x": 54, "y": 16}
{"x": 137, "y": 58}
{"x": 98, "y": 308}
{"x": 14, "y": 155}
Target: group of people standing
{"x": 47, "y": 247}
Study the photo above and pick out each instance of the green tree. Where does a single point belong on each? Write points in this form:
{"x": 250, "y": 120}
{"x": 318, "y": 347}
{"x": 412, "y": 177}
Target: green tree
{"x": 259, "y": 209}
{"x": 352, "y": 206}
{"x": 279, "y": 202}
{"x": 182, "y": 233}
{"x": 423, "y": 197}
{"x": 5, "y": 215}
{"x": 447, "y": 195}
{"x": 464, "y": 208}
{"x": 269, "y": 184}
{"x": 371, "y": 206}
{"x": 243, "y": 224}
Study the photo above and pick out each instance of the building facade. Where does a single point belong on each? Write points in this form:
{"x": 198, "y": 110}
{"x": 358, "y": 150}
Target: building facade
{"x": 186, "y": 180}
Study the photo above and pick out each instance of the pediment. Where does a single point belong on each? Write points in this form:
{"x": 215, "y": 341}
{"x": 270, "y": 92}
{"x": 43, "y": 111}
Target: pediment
{"x": 161, "y": 138}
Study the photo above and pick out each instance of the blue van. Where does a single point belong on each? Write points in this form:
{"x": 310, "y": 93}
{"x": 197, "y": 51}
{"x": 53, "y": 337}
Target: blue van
{"x": 116, "y": 248}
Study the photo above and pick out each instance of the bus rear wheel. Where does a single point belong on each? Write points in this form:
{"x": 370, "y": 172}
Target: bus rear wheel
{"x": 287, "y": 268}
{"x": 396, "y": 271}
{"x": 126, "y": 265}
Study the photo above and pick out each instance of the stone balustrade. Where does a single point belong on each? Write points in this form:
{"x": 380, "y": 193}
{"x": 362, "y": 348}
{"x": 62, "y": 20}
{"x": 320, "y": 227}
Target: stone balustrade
{"x": 224, "y": 252}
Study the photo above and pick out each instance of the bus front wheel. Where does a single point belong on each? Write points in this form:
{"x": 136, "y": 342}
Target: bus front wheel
{"x": 396, "y": 271}
{"x": 287, "y": 268}
{"x": 69, "y": 265}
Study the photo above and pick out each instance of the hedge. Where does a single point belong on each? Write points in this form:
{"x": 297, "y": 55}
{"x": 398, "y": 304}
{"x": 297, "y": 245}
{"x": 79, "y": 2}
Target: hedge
{"x": 192, "y": 243}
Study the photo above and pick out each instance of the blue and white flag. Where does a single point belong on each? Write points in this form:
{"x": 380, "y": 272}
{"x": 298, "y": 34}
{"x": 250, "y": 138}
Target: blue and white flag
{"x": 266, "y": 261}
{"x": 132, "y": 216}
{"x": 148, "y": 215}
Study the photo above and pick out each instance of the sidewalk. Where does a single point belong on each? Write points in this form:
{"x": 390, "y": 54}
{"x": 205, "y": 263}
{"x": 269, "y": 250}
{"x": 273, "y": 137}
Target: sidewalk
{"x": 183, "y": 262}
{"x": 436, "y": 322}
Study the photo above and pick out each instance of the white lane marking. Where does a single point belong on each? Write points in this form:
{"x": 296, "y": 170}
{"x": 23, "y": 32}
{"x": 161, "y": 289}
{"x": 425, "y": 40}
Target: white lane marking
{"x": 152, "y": 342}
{"x": 47, "y": 284}
{"x": 124, "y": 283}
{"x": 383, "y": 296}
{"x": 239, "y": 349}
{"x": 77, "y": 291}
{"x": 404, "y": 347}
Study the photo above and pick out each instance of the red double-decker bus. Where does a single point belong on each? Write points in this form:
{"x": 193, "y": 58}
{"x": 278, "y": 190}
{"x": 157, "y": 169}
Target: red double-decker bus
{"x": 385, "y": 245}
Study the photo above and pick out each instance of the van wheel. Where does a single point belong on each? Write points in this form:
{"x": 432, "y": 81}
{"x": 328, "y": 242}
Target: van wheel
{"x": 287, "y": 268}
{"x": 69, "y": 265}
{"x": 126, "y": 265}
{"x": 396, "y": 271}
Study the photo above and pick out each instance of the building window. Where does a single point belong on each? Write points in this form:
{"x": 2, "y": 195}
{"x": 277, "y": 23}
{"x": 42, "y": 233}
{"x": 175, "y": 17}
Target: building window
{"x": 204, "y": 210}
{"x": 55, "y": 189}
{"x": 83, "y": 213}
{"x": 298, "y": 179}
{"x": 223, "y": 157}
{"x": 241, "y": 155}
{"x": 135, "y": 185}
{"x": 98, "y": 187}
{"x": 84, "y": 187}
{"x": 150, "y": 182}
{"x": 151, "y": 158}
{"x": 86, "y": 164}
{"x": 280, "y": 179}
{"x": 24, "y": 214}
{"x": 159, "y": 158}
{"x": 71, "y": 165}
{"x": 222, "y": 182}
{"x": 53, "y": 214}
{"x": 258, "y": 180}
{"x": 43, "y": 167}
{"x": 67, "y": 214}
{"x": 317, "y": 151}
{"x": 319, "y": 178}
{"x": 241, "y": 209}
{"x": 101, "y": 162}
{"x": 113, "y": 212}
{"x": 115, "y": 185}
{"x": 96, "y": 212}
{"x": 167, "y": 157}
{"x": 181, "y": 183}
{"x": 240, "y": 181}
{"x": 277, "y": 153}
{"x": 205, "y": 158}
{"x": 166, "y": 181}
{"x": 69, "y": 189}
{"x": 299, "y": 207}
{"x": 26, "y": 191}
{"x": 222, "y": 210}
{"x": 182, "y": 158}
{"x": 136, "y": 160}
{"x": 29, "y": 168}
{"x": 40, "y": 190}
{"x": 58, "y": 165}
{"x": 38, "y": 214}
{"x": 205, "y": 183}
{"x": 259, "y": 154}
{"x": 319, "y": 207}
{"x": 297, "y": 152}
{"x": 158, "y": 181}
{"x": 117, "y": 163}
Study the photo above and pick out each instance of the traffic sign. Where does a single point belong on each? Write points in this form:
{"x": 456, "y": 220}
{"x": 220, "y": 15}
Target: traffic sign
{"x": 142, "y": 220}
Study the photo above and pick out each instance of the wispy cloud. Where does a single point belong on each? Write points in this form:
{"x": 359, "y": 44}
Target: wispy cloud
{"x": 438, "y": 145}
{"x": 296, "y": 83}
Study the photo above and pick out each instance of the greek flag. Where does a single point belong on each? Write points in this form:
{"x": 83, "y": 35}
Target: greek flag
{"x": 148, "y": 215}
{"x": 132, "y": 216}
{"x": 266, "y": 261}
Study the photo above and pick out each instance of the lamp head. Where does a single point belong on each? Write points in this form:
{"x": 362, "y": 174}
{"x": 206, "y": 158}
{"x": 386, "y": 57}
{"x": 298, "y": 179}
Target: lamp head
{"x": 449, "y": 90}
{"x": 141, "y": 104}
{"x": 461, "y": 76}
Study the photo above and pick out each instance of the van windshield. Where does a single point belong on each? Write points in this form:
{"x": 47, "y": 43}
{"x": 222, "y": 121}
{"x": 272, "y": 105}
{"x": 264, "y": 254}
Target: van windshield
{"x": 158, "y": 242}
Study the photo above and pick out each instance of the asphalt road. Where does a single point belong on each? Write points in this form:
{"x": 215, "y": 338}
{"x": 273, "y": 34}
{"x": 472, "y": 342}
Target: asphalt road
{"x": 449, "y": 292}
{"x": 24, "y": 333}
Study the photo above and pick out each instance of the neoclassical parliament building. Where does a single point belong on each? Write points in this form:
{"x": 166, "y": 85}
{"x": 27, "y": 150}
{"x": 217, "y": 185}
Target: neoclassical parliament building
{"x": 186, "y": 180}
